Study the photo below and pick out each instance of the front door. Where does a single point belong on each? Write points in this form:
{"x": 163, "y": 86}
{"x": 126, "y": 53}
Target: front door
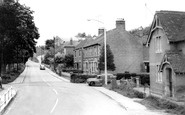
{"x": 169, "y": 80}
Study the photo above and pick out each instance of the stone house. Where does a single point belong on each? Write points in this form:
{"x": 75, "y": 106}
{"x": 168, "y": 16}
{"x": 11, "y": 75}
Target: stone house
{"x": 166, "y": 44}
{"x": 126, "y": 48}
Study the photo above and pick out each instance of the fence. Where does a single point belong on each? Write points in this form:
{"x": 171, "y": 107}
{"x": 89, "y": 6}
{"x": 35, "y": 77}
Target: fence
{"x": 5, "y": 98}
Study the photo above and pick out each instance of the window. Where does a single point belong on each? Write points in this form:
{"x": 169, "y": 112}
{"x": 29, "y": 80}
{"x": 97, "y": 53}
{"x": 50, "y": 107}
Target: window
{"x": 158, "y": 74}
{"x": 79, "y": 52}
{"x": 158, "y": 44}
{"x": 75, "y": 53}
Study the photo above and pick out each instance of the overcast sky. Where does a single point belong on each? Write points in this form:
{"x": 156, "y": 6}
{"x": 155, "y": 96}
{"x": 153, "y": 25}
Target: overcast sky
{"x": 66, "y": 18}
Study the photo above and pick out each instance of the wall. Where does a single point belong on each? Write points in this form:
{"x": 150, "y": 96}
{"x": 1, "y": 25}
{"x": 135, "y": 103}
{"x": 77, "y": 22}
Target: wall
{"x": 155, "y": 59}
{"x": 90, "y": 60}
{"x": 78, "y": 58}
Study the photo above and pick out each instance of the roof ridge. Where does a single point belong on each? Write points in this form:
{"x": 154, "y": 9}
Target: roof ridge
{"x": 169, "y": 11}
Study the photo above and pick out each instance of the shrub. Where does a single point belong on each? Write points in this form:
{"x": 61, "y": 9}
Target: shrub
{"x": 80, "y": 78}
{"x": 139, "y": 94}
{"x": 144, "y": 79}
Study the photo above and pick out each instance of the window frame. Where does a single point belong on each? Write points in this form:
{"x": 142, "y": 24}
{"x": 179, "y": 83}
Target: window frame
{"x": 158, "y": 44}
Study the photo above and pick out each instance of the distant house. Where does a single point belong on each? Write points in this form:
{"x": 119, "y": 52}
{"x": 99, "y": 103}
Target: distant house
{"x": 166, "y": 44}
{"x": 126, "y": 48}
{"x": 68, "y": 49}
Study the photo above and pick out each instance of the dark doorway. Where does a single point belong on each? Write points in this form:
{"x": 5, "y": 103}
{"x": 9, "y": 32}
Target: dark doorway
{"x": 169, "y": 80}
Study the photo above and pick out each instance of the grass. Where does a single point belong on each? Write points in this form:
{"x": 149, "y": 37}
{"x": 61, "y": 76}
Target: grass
{"x": 126, "y": 89}
{"x": 153, "y": 103}
{"x": 162, "y": 104}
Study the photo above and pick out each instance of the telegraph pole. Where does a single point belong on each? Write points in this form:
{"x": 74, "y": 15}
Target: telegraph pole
{"x": 54, "y": 53}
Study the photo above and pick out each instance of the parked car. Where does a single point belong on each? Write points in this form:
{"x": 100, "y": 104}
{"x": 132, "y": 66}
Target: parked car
{"x": 100, "y": 79}
{"x": 42, "y": 67}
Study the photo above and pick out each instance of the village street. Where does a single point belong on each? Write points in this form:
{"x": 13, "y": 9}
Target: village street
{"x": 42, "y": 93}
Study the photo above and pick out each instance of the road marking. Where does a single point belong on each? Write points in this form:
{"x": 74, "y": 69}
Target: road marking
{"x": 54, "y": 106}
{"x": 55, "y": 91}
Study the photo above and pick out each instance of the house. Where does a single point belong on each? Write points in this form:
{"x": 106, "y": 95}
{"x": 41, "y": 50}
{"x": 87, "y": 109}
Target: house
{"x": 68, "y": 48}
{"x": 91, "y": 54}
{"x": 166, "y": 44}
{"x": 126, "y": 48}
{"x": 78, "y": 54}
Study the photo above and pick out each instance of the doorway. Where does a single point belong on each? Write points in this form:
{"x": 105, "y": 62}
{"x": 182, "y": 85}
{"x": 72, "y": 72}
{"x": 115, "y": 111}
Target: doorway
{"x": 169, "y": 81}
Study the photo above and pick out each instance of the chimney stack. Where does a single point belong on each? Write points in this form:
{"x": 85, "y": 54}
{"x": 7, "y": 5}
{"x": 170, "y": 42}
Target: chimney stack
{"x": 100, "y": 31}
{"x": 71, "y": 41}
{"x": 120, "y": 23}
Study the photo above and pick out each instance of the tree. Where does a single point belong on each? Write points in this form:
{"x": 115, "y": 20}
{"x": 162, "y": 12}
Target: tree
{"x": 49, "y": 43}
{"x": 68, "y": 60}
{"x": 110, "y": 59}
{"x": 83, "y": 35}
{"x": 17, "y": 32}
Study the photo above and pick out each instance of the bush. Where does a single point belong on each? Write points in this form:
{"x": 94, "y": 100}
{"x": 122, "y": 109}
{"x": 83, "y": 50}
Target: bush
{"x": 80, "y": 78}
{"x": 123, "y": 76}
{"x": 139, "y": 94}
{"x": 144, "y": 79}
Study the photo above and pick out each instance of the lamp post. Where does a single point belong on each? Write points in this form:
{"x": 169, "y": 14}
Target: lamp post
{"x": 105, "y": 48}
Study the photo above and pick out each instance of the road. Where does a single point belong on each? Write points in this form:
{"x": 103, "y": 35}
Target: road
{"x": 40, "y": 93}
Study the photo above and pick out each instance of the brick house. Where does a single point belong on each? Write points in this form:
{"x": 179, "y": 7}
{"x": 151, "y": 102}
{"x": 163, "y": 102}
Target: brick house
{"x": 91, "y": 55}
{"x": 166, "y": 44}
{"x": 126, "y": 48}
{"x": 79, "y": 54}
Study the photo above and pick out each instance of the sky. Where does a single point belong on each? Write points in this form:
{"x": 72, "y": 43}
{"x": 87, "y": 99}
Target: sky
{"x": 67, "y": 18}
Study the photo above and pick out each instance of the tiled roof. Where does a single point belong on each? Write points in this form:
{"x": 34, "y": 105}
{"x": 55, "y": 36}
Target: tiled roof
{"x": 97, "y": 40}
{"x": 177, "y": 61}
{"x": 173, "y": 23}
{"x": 83, "y": 43}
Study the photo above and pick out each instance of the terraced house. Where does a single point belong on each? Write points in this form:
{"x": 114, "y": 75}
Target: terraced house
{"x": 127, "y": 50}
{"x": 79, "y": 54}
{"x": 167, "y": 54}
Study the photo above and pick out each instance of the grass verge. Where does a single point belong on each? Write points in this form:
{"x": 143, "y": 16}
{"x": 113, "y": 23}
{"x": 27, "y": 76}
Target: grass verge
{"x": 151, "y": 102}
{"x": 163, "y": 104}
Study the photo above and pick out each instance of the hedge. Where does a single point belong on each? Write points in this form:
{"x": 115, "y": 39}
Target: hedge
{"x": 144, "y": 78}
{"x": 72, "y": 70}
{"x": 80, "y": 78}
{"x": 125, "y": 75}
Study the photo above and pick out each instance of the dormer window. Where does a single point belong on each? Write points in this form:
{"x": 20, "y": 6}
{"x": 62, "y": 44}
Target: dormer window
{"x": 158, "y": 44}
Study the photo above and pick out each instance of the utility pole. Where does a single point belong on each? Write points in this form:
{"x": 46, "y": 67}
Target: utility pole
{"x": 54, "y": 53}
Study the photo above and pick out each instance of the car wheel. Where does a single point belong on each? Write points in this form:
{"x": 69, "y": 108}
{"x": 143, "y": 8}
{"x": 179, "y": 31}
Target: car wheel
{"x": 92, "y": 84}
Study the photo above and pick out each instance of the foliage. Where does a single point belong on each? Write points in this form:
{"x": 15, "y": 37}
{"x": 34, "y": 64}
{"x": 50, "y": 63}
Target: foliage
{"x": 80, "y": 78}
{"x": 83, "y": 35}
{"x": 48, "y": 58}
{"x": 139, "y": 32}
{"x": 68, "y": 60}
{"x": 59, "y": 58}
{"x": 18, "y": 32}
{"x": 110, "y": 60}
{"x": 49, "y": 43}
